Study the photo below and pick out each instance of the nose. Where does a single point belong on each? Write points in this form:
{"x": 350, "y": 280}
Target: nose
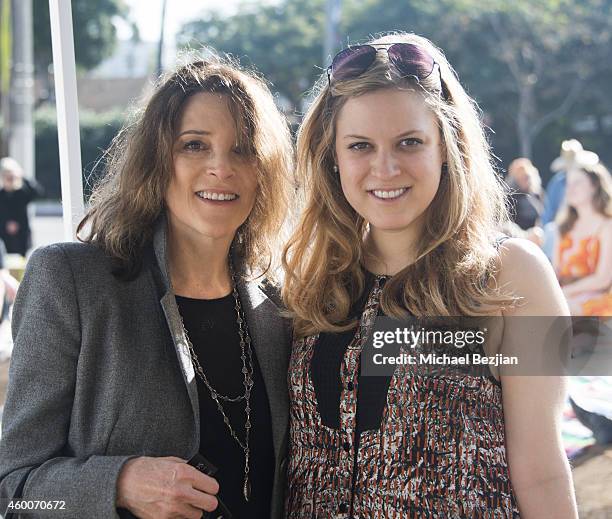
{"x": 220, "y": 165}
{"x": 385, "y": 165}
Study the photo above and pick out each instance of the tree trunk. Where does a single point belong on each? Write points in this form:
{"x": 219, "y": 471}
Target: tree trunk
{"x": 524, "y": 119}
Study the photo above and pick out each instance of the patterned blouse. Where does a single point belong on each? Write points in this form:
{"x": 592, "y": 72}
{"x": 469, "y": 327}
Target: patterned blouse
{"x": 580, "y": 262}
{"x": 439, "y": 451}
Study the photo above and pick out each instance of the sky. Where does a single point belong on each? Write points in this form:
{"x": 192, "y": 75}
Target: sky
{"x": 147, "y": 15}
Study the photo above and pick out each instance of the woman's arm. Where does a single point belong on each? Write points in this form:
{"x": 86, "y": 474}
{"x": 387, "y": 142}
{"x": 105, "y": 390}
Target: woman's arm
{"x": 539, "y": 469}
{"x": 32, "y": 189}
{"x": 556, "y": 256}
{"x": 601, "y": 279}
{"x": 34, "y": 459}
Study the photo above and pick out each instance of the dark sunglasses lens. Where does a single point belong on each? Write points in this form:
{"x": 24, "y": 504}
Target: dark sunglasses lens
{"x": 352, "y": 62}
{"x": 411, "y": 60}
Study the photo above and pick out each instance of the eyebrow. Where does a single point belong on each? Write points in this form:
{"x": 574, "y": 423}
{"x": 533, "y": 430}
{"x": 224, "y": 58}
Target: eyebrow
{"x": 196, "y": 132}
{"x": 404, "y": 134}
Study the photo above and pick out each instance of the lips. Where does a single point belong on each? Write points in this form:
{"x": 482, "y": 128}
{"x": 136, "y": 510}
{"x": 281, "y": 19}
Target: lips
{"x": 217, "y": 196}
{"x": 388, "y": 194}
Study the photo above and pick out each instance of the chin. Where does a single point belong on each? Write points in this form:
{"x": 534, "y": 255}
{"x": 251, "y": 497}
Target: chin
{"x": 391, "y": 226}
{"x": 214, "y": 231}
{"x": 216, "y": 235}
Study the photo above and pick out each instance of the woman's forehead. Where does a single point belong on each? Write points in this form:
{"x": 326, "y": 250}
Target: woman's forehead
{"x": 206, "y": 111}
{"x": 388, "y": 110}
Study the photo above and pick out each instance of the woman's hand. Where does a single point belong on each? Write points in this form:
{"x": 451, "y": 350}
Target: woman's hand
{"x": 165, "y": 488}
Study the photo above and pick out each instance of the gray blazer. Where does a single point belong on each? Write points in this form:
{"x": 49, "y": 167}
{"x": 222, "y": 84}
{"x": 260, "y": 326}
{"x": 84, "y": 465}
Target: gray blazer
{"x": 100, "y": 374}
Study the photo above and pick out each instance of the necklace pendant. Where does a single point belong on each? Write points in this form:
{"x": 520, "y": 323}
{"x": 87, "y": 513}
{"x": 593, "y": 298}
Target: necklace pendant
{"x": 246, "y": 489}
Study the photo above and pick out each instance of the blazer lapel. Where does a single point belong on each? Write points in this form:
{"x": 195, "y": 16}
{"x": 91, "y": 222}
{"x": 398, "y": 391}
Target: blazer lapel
{"x": 175, "y": 325}
{"x": 271, "y": 343}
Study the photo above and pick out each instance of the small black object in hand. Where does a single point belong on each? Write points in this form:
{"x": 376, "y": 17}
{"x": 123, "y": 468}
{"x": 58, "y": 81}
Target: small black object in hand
{"x": 206, "y": 467}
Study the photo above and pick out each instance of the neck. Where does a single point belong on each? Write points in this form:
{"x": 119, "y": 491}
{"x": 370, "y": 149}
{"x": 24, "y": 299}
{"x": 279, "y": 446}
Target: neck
{"x": 198, "y": 266}
{"x": 587, "y": 212}
{"x": 388, "y": 252}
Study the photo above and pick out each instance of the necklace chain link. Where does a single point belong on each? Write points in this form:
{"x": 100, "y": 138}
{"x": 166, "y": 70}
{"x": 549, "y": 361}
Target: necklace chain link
{"x": 246, "y": 356}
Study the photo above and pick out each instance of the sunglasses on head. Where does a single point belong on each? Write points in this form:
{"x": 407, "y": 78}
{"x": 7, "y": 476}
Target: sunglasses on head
{"x": 409, "y": 60}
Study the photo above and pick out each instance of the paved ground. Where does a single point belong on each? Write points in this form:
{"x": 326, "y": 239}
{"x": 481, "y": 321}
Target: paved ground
{"x": 593, "y": 481}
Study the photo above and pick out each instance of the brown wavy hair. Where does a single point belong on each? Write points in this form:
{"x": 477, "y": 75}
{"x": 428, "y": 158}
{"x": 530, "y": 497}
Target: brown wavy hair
{"x": 456, "y": 255}
{"x": 601, "y": 180}
{"x": 129, "y": 200}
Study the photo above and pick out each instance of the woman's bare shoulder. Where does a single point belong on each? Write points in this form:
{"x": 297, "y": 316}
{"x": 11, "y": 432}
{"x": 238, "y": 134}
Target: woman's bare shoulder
{"x": 525, "y": 271}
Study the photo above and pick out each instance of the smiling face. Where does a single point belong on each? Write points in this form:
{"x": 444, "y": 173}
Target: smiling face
{"x": 389, "y": 157}
{"x": 213, "y": 185}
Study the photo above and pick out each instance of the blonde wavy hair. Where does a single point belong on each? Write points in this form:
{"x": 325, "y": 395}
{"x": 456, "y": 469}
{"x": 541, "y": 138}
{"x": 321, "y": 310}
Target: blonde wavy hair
{"x": 129, "y": 200}
{"x": 456, "y": 255}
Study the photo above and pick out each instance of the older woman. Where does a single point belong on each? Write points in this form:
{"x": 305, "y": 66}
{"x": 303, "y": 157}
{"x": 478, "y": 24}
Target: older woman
{"x": 152, "y": 343}
{"x": 401, "y": 218}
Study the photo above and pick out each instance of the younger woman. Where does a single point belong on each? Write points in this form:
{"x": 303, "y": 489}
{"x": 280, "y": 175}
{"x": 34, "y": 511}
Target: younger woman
{"x": 402, "y": 207}
{"x": 583, "y": 259}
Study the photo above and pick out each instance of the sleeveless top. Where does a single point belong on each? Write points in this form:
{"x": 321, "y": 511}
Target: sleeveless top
{"x": 579, "y": 263}
{"x": 438, "y": 451}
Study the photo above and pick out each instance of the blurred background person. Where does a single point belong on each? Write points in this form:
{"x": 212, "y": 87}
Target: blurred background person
{"x": 525, "y": 200}
{"x": 583, "y": 255}
{"x": 526, "y": 193}
{"x": 16, "y": 193}
{"x": 572, "y": 155}
{"x": 583, "y": 261}
{"x": 8, "y": 285}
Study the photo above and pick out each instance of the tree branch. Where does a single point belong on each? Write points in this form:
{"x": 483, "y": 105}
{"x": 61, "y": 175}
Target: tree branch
{"x": 508, "y": 54}
{"x": 562, "y": 109}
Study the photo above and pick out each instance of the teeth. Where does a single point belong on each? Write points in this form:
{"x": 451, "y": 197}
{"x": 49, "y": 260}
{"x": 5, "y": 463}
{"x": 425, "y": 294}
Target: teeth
{"x": 216, "y": 196}
{"x": 389, "y": 194}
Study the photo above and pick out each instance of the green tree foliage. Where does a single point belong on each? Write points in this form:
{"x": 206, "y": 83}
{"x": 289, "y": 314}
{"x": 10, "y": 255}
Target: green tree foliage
{"x": 284, "y": 42}
{"x": 552, "y": 58}
{"x": 97, "y": 132}
{"x": 94, "y": 32}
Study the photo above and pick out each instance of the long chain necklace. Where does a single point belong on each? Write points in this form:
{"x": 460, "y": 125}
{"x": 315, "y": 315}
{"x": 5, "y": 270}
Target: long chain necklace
{"x": 246, "y": 356}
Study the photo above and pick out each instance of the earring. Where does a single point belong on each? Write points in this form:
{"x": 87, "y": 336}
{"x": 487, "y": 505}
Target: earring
{"x": 335, "y": 168}
{"x": 444, "y": 168}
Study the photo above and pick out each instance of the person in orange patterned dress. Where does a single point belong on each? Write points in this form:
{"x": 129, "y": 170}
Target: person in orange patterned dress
{"x": 583, "y": 259}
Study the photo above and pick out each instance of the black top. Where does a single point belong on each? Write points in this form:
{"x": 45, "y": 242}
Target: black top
{"x": 327, "y": 358}
{"x": 525, "y": 208}
{"x": 14, "y": 208}
{"x": 213, "y": 330}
